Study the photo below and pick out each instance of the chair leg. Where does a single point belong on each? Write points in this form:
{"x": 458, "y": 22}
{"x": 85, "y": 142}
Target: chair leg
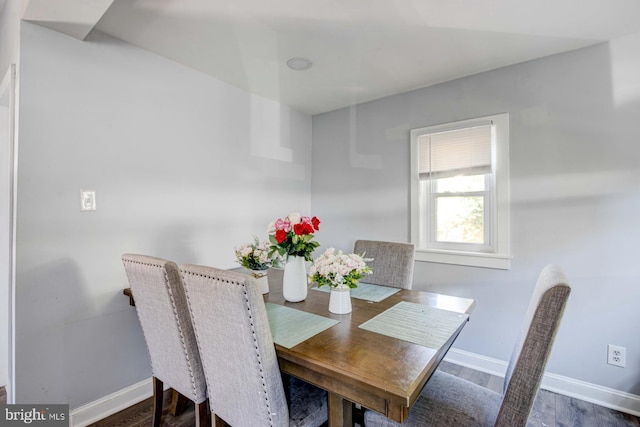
{"x": 202, "y": 414}
{"x": 157, "y": 401}
{"x": 178, "y": 403}
{"x": 218, "y": 422}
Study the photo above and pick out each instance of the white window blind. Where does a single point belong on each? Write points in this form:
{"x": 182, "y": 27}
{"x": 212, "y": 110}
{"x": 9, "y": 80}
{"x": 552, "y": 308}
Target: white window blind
{"x": 464, "y": 151}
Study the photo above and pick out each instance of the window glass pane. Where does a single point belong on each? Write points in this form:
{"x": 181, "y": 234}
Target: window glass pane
{"x": 460, "y": 184}
{"x": 460, "y": 219}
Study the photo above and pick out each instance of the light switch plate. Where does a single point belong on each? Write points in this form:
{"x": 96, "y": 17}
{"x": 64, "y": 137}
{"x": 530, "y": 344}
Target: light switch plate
{"x": 87, "y": 200}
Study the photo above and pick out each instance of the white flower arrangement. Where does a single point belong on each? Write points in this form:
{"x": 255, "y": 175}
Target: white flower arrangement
{"x": 337, "y": 269}
{"x": 255, "y": 256}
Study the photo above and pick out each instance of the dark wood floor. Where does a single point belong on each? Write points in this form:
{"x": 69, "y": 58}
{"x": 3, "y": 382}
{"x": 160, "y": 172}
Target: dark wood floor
{"x": 550, "y": 409}
{"x": 140, "y": 415}
{"x": 3, "y": 396}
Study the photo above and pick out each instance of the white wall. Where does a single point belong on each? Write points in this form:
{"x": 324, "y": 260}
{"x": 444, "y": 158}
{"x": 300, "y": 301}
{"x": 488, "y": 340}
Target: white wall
{"x": 5, "y": 245}
{"x": 9, "y": 54}
{"x": 184, "y": 167}
{"x": 10, "y": 33}
{"x": 575, "y": 198}
{"x": 187, "y": 167}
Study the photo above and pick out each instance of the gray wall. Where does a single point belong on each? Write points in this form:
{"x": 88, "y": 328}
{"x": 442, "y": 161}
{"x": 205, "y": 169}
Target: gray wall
{"x": 9, "y": 43}
{"x": 5, "y": 221}
{"x": 184, "y": 167}
{"x": 9, "y": 33}
{"x": 575, "y": 198}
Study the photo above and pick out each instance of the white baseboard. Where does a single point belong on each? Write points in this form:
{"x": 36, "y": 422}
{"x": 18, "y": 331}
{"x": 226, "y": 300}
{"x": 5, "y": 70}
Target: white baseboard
{"x": 109, "y": 405}
{"x": 477, "y": 362}
{"x": 603, "y": 396}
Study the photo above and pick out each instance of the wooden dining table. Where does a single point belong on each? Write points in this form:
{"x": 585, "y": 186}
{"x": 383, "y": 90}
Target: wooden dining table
{"x": 359, "y": 366}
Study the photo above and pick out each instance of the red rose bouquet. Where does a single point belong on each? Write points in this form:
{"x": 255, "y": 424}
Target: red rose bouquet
{"x": 293, "y": 235}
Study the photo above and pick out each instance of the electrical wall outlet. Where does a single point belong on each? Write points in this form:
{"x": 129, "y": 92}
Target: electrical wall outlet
{"x": 616, "y": 355}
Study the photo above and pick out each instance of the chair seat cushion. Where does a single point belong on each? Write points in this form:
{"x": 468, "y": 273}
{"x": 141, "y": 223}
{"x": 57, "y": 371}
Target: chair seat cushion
{"x": 447, "y": 401}
{"x": 307, "y": 404}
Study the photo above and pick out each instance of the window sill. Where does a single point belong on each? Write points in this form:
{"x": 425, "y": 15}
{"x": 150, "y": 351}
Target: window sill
{"x": 470, "y": 259}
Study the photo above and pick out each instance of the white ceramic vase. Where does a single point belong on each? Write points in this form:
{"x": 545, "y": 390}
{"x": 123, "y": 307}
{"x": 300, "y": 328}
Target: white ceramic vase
{"x": 261, "y": 279}
{"x": 340, "y": 300}
{"x": 294, "y": 282}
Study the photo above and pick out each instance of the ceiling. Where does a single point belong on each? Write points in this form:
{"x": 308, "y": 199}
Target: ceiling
{"x": 361, "y": 49}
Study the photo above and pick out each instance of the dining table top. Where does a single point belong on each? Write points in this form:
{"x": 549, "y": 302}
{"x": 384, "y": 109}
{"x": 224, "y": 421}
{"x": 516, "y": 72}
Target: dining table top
{"x": 370, "y": 366}
{"x": 379, "y": 372}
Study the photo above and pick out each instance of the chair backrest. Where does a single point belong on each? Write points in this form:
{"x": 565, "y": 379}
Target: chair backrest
{"x": 533, "y": 346}
{"x": 162, "y": 308}
{"x": 392, "y": 263}
{"x": 238, "y": 355}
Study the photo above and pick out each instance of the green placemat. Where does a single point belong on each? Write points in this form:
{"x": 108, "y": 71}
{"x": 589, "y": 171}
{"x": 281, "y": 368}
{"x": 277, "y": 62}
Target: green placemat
{"x": 367, "y": 291}
{"x": 289, "y": 327}
{"x": 417, "y": 323}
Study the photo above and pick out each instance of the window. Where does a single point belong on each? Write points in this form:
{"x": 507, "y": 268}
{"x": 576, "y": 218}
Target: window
{"x": 459, "y": 192}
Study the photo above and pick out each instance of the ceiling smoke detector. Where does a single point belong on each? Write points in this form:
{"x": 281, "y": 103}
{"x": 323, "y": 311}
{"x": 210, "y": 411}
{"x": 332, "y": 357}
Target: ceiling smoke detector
{"x": 299, "y": 64}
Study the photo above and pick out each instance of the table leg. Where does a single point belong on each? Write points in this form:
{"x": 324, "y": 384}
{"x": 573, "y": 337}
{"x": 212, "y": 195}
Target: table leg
{"x": 340, "y": 411}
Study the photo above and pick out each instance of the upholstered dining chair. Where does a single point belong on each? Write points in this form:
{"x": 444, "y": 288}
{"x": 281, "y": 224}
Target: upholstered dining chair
{"x": 392, "y": 263}
{"x": 239, "y": 358}
{"x": 162, "y": 308}
{"x": 451, "y": 401}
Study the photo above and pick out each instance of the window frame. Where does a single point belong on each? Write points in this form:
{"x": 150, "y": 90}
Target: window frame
{"x": 498, "y": 255}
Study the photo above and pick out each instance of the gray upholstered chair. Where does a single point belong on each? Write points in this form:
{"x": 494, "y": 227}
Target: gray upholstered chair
{"x": 392, "y": 263}
{"x": 450, "y": 401}
{"x": 239, "y": 358}
{"x": 162, "y": 308}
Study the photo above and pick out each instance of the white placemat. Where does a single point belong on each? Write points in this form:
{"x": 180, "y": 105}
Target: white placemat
{"x": 417, "y": 323}
{"x": 290, "y": 327}
{"x": 367, "y": 291}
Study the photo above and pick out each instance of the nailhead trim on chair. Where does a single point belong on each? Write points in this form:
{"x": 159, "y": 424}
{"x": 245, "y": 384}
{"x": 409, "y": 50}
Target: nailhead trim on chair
{"x": 255, "y": 339}
{"x": 180, "y": 330}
